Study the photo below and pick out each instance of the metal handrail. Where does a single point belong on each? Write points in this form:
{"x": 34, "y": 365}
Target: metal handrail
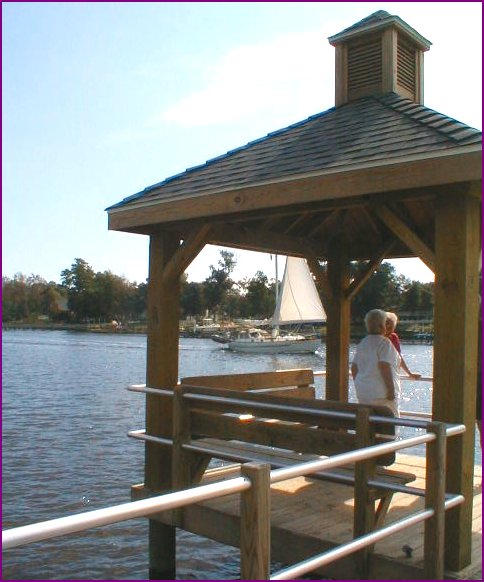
{"x": 80, "y": 522}
{"x": 35, "y": 532}
{"x": 359, "y": 543}
{"x": 402, "y": 377}
{"x": 409, "y": 423}
{"x": 143, "y": 389}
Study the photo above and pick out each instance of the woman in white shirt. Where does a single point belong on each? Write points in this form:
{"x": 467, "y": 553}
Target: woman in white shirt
{"x": 376, "y": 364}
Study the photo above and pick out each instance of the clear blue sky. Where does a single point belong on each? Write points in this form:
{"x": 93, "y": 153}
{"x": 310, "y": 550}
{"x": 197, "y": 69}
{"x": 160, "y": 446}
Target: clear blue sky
{"x": 101, "y": 100}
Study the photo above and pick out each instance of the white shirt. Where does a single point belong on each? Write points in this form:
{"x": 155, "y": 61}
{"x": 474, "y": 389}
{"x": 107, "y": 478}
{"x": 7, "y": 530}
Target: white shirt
{"x": 369, "y": 383}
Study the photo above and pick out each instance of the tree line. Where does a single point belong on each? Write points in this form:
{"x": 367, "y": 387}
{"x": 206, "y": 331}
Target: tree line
{"x": 85, "y": 296}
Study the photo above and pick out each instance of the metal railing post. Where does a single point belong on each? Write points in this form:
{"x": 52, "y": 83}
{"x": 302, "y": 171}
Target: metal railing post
{"x": 255, "y": 523}
{"x": 434, "y": 533}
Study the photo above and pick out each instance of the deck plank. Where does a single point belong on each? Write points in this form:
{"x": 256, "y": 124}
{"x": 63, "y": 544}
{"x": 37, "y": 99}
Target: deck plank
{"x": 324, "y": 511}
{"x": 308, "y": 516}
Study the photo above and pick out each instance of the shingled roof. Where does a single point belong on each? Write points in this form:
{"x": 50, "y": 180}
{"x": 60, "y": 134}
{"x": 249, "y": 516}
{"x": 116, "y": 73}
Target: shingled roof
{"x": 371, "y": 130}
{"x": 377, "y": 20}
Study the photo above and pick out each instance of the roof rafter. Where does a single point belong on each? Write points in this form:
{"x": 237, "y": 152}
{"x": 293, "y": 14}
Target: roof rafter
{"x": 186, "y": 252}
{"x": 373, "y": 265}
{"x": 258, "y": 240}
{"x": 406, "y": 234}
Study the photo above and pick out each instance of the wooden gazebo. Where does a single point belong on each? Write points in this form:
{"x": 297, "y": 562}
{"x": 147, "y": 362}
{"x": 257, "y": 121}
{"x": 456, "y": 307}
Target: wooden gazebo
{"x": 378, "y": 176}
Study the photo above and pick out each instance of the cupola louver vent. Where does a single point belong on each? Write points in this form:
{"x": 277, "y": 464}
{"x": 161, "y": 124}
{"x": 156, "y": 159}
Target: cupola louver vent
{"x": 364, "y": 67}
{"x": 406, "y": 66}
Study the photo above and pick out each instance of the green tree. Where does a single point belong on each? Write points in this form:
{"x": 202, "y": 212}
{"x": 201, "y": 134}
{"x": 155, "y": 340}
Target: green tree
{"x": 54, "y": 301}
{"x": 110, "y": 296}
{"x": 79, "y": 282}
{"x": 382, "y": 290}
{"x": 15, "y": 305}
{"x": 259, "y": 296}
{"x": 218, "y": 284}
{"x": 191, "y": 299}
{"x": 417, "y": 296}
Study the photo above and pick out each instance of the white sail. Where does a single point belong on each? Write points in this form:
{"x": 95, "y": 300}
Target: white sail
{"x": 298, "y": 300}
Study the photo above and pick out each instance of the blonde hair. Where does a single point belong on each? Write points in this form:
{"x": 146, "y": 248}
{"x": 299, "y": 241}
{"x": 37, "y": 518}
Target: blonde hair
{"x": 392, "y": 317}
{"x": 375, "y": 321}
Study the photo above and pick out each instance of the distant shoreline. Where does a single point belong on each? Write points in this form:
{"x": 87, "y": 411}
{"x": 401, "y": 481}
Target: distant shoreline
{"x": 83, "y": 327}
{"x": 140, "y": 329}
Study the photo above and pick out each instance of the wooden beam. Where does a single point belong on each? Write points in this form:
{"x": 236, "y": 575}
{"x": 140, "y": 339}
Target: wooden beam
{"x": 406, "y": 234}
{"x": 373, "y": 223}
{"x": 299, "y": 219}
{"x": 270, "y": 222}
{"x": 162, "y": 354}
{"x": 328, "y": 185}
{"x": 375, "y": 262}
{"x": 341, "y": 75}
{"x": 338, "y": 323}
{"x": 457, "y": 244}
{"x": 434, "y": 532}
{"x": 257, "y": 240}
{"x": 186, "y": 253}
{"x": 389, "y": 60}
{"x": 332, "y": 216}
{"x": 161, "y": 372}
{"x": 322, "y": 283}
{"x": 255, "y": 523}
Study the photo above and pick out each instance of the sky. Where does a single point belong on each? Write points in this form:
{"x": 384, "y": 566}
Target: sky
{"x": 101, "y": 100}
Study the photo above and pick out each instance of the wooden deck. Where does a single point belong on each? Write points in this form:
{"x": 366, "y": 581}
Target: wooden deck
{"x": 310, "y": 516}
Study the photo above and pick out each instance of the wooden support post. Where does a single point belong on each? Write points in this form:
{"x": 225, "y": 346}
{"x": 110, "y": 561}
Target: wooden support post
{"x": 435, "y": 498}
{"x": 364, "y": 510}
{"x": 161, "y": 372}
{"x": 457, "y": 245}
{"x": 187, "y": 467}
{"x": 181, "y": 434}
{"x": 255, "y": 523}
{"x": 338, "y": 324}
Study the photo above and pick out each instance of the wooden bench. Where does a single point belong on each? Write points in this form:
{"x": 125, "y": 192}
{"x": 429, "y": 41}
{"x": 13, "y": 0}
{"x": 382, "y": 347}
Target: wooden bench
{"x": 290, "y": 383}
{"x": 241, "y": 426}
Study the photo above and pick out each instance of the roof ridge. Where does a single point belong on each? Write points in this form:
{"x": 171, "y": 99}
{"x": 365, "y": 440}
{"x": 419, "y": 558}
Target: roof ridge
{"x": 413, "y": 110}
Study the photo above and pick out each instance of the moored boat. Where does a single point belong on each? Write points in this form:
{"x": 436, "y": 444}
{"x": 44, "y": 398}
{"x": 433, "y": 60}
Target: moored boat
{"x": 297, "y": 303}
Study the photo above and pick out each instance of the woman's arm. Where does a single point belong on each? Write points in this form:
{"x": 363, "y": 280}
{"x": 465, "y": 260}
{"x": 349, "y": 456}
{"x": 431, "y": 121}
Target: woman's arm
{"x": 403, "y": 364}
{"x": 386, "y": 372}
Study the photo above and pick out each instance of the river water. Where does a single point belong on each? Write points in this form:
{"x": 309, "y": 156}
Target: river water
{"x": 65, "y": 415}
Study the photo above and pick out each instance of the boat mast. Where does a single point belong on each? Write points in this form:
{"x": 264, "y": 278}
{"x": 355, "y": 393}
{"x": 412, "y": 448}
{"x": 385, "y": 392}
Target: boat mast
{"x": 275, "y": 329}
{"x": 277, "y": 281}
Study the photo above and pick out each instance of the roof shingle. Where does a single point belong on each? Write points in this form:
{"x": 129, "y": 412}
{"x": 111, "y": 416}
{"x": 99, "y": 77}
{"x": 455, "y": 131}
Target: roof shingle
{"x": 373, "y": 128}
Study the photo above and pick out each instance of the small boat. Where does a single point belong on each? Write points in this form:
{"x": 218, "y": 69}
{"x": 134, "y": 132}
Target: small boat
{"x": 220, "y": 338}
{"x": 297, "y": 303}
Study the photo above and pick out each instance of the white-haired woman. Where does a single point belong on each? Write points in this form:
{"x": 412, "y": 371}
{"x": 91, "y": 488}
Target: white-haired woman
{"x": 391, "y": 334}
{"x": 375, "y": 365}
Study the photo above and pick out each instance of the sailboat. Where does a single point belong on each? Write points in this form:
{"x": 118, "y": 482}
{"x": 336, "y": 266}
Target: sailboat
{"x": 298, "y": 302}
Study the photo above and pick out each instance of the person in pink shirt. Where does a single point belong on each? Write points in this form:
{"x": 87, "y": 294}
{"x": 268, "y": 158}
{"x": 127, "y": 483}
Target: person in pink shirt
{"x": 390, "y": 325}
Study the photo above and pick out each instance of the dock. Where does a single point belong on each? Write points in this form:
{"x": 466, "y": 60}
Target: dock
{"x": 310, "y": 516}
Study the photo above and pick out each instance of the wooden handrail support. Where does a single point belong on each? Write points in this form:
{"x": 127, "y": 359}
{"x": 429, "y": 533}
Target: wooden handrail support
{"x": 434, "y": 532}
{"x": 255, "y": 523}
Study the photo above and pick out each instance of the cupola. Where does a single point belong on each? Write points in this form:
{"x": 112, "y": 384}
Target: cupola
{"x": 380, "y": 54}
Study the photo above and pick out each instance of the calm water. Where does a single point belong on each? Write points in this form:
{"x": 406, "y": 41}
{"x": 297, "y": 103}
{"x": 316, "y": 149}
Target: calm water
{"x": 66, "y": 412}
